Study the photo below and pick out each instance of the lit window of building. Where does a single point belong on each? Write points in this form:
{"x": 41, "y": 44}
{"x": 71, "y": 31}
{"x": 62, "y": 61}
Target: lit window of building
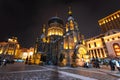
{"x": 118, "y": 15}
{"x": 116, "y": 47}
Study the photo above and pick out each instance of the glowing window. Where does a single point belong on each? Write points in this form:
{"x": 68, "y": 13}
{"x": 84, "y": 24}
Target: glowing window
{"x": 116, "y": 48}
{"x": 114, "y": 17}
{"x": 100, "y": 24}
{"x": 106, "y": 20}
{"x": 118, "y": 15}
{"x": 111, "y": 18}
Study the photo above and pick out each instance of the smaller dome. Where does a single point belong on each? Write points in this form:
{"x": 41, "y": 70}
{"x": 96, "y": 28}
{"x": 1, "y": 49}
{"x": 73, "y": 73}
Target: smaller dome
{"x": 55, "y": 19}
{"x": 70, "y": 18}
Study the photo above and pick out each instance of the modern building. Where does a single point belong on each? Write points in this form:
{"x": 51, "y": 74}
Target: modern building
{"x": 106, "y": 45}
{"x": 112, "y": 42}
{"x": 96, "y": 47}
{"x": 110, "y": 22}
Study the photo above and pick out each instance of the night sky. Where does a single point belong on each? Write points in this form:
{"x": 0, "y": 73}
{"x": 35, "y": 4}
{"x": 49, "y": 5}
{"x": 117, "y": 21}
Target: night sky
{"x": 24, "y": 18}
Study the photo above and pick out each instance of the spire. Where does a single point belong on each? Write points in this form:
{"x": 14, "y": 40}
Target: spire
{"x": 43, "y": 28}
{"x": 70, "y": 11}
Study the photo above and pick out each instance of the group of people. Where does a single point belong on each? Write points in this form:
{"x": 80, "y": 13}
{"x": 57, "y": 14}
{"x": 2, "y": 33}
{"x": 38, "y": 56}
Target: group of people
{"x": 95, "y": 62}
{"x": 114, "y": 63}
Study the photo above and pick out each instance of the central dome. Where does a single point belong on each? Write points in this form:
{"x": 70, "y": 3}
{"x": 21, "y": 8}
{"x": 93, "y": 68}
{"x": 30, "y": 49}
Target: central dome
{"x": 55, "y": 20}
{"x": 55, "y": 26}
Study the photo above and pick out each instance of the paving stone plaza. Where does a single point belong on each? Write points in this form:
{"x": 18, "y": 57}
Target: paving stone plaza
{"x": 20, "y": 71}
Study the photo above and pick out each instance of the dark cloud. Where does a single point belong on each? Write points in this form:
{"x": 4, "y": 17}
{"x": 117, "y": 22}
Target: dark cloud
{"x": 24, "y": 18}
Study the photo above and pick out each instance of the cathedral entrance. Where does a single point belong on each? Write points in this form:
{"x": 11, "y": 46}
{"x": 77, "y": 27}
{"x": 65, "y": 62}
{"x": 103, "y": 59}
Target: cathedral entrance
{"x": 82, "y": 56}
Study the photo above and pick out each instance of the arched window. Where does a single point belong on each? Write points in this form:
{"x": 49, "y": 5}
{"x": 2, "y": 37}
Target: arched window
{"x": 116, "y": 48}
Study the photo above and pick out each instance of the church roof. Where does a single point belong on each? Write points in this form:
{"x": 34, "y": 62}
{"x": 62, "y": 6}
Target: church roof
{"x": 55, "y": 19}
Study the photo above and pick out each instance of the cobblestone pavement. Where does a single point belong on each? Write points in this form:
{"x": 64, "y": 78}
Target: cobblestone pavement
{"x": 20, "y": 71}
{"x": 99, "y": 74}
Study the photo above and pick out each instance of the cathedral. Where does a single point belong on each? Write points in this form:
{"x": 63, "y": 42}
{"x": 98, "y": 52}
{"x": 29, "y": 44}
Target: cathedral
{"x": 61, "y": 43}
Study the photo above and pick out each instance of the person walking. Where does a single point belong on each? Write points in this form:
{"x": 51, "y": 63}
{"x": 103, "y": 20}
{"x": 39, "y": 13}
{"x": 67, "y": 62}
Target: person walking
{"x": 112, "y": 65}
{"x": 4, "y": 62}
{"x": 97, "y": 62}
{"x": 26, "y": 61}
{"x": 117, "y": 64}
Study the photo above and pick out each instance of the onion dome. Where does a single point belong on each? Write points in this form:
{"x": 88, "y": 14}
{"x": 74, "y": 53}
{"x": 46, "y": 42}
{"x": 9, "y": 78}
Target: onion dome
{"x": 55, "y": 20}
{"x": 55, "y": 26}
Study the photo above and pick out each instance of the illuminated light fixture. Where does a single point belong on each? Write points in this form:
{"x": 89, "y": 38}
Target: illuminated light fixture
{"x": 116, "y": 46}
{"x": 75, "y": 40}
{"x": 25, "y": 54}
{"x": 70, "y": 47}
{"x": 70, "y": 12}
{"x": 30, "y": 53}
{"x": 66, "y": 47}
{"x": 106, "y": 20}
{"x": 98, "y": 44}
{"x": 0, "y": 51}
{"x": 100, "y": 24}
{"x": 92, "y": 46}
{"x": 114, "y": 17}
{"x": 110, "y": 39}
{"x": 111, "y": 18}
{"x": 105, "y": 40}
{"x": 118, "y": 15}
{"x": 10, "y": 40}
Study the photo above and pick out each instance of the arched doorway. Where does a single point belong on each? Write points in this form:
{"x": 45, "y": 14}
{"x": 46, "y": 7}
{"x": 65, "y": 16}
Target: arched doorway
{"x": 82, "y": 56}
{"x": 116, "y": 48}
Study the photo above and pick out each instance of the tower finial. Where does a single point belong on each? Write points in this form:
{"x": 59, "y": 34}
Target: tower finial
{"x": 70, "y": 11}
{"x": 44, "y": 28}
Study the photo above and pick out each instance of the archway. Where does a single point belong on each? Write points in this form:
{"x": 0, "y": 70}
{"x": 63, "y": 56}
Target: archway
{"x": 82, "y": 56}
{"x": 116, "y": 48}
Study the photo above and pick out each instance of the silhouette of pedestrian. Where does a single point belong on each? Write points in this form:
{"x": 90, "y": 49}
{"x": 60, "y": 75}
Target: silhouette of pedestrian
{"x": 117, "y": 64}
{"x": 97, "y": 63}
{"x": 26, "y": 61}
{"x": 112, "y": 64}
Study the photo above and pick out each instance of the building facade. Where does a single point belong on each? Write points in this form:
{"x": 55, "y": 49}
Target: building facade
{"x": 110, "y": 22}
{"x": 10, "y": 48}
{"x": 106, "y": 45}
{"x": 96, "y": 47}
